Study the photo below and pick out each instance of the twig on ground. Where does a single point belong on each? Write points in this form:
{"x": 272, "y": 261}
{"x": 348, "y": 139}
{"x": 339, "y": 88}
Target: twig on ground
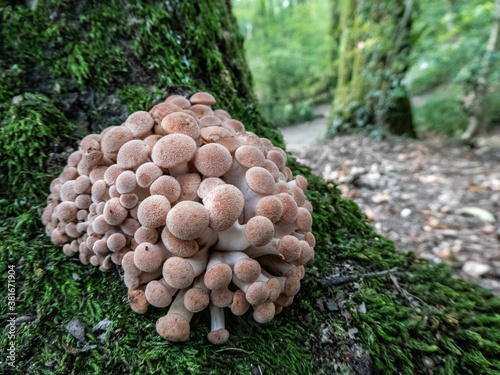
{"x": 233, "y": 349}
{"x": 339, "y": 280}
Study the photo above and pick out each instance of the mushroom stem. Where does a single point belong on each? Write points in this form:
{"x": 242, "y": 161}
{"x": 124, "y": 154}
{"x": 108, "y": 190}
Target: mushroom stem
{"x": 133, "y": 282}
{"x": 233, "y": 239}
{"x": 278, "y": 266}
{"x": 218, "y": 334}
{"x": 175, "y": 325}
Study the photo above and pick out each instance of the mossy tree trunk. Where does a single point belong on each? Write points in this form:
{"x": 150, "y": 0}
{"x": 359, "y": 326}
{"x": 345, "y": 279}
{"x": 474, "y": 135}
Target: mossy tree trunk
{"x": 475, "y": 98}
{"x": 91, "y": 63}
{"x": 372, "y": 63}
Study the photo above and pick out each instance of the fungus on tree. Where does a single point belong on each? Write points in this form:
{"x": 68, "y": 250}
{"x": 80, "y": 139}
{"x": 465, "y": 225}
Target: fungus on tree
{"x": 197, "y": 211}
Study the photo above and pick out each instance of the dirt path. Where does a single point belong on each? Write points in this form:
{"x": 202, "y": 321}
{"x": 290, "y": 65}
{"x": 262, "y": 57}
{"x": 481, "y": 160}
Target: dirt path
{"x": 439, "y": 200}
{"x": 309, "y": 132}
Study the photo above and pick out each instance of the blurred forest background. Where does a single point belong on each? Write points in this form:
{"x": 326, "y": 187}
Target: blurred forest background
{"x": 425, "y": 67}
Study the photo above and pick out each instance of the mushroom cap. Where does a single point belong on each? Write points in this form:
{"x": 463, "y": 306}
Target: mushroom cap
{"x": 207, "y": 185}
{"x": 218, "y": 337}
{"x": 147, "y": 173}
{"x": 179, "y": 101}
{"x": 289, "y": 248}
{"x": 91, "y": 141}
{"x": 148, "y": 257}
{"x": 153, "y": 210}
{"x": 201, "y": 110}
{"x": 161, "y": 110}
{"x": 139, "y": 123}
{"x": 129, "y": 200}
{"x": 114, "y": 138}
{"x": 167, "y": 186}
{"x": 213, "y": 160}
{"x": 178, "y": 272}
{"x": 209, "y": 120}
{"x": 221, "y": 297}
{"x": 173, "y": 327}
{"x": 264, "y": 313}
{"x": 83, "y": 201}
{"x": 250, "y": 156}
{"x": 151, "y": 140}
{"x": 274, "y": 286}
{"x": 223, "y": 115}
{"x": 277, "y": 158}
{"x": 130, "y": 226}
{"x": 247, "y": 270}
{"x": 269, "y": 206}
{"x": 257, "y": 293}
{"x": 82, "y": 184}
{"x": 157, "y": 294}
{"x": 292, "y": 286}
{"x": 114, "y": 213}
{"x": 116, "y": 242}
{"x": 240, "y": 305}
{"x": 137, "y": 300}
{"x": 181, "y": 123}
{"x": 260, "y": 180}
{"x": 225, "y": 204}
{"x": 74, "y": 158}
{"x": 67, "y": 192}
{"x": 196, "y": 299}
{"x": 214, "y": 133}
{"x": 178, "y": 247}
{"x": 66, "y": 211}
{"x": 173, "y": 150}
{"x": 234, "y": 125}
{"x": 144, "y": 234}
{"x": 189, "y": 184}
{"x": 301, "y": 182}
{"x": 126, "y": 182}
{"x": 187, "y": 220}
{"x": 132, "y": 154}
{"x": 259, "y": 231}
{"x": 112, "y": 174}
{"x": 202, "y": 98}
{"x": 218, "y": 276}
{"x": 290, "y": 208}
{"x": 303, "y": 220}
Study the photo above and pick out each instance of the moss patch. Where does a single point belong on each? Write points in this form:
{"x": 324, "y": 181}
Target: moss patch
{"x": 419, "y": 320}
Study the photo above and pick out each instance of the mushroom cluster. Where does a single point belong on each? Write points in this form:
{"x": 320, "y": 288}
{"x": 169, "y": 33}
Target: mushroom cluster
{"x": 197, "y": 211}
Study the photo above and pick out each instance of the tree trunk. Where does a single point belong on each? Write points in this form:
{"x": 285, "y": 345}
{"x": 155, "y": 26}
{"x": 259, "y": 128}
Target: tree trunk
{"x": 372, "y": 63}
{"x": 474, "y": 101}
{"x": 363, "y": 307}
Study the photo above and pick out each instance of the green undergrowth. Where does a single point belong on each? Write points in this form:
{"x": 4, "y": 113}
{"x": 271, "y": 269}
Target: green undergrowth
{"x": 417, "y": 321}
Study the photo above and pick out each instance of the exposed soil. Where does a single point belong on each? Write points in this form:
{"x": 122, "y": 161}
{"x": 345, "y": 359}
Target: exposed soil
{"x": 434, "y": 197}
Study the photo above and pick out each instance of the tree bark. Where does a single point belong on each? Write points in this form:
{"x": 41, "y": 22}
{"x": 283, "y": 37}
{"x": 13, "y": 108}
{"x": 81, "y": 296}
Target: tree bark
{"x": 474, "y": 101}
{"x": 372, "y": 63}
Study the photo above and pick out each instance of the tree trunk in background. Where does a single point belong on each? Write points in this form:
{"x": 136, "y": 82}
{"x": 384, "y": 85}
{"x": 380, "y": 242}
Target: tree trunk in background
{"x": 372, "y": 63}
{"x": 474, "y": 101}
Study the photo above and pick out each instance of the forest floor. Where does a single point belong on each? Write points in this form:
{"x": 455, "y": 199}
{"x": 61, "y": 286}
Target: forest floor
{"x": 435, "y": 197}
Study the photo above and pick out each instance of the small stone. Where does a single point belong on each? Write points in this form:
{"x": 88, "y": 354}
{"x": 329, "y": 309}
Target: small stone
{"x": 102, "y": 325}
{"x": 475, "y": 269}
{"x": 362, "y": 308}
{"x": 76, "y": 277}
{"x": 405, "y": 212}
{"x": 332, "y": 305}
{"x": 76, "y": 329}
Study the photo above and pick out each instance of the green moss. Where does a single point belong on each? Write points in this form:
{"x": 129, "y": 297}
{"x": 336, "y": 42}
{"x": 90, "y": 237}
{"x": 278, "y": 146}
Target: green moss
{"x": 182, "y": 47}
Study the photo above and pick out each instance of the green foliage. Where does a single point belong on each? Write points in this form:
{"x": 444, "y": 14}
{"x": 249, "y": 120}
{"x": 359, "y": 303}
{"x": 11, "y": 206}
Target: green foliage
{"x": 373, "y": 59}
{"x": 441, "y": 112}
{"x": 31, "y": 125}
{"x": 289, "y": 50}
{"x": 138, "y": 98}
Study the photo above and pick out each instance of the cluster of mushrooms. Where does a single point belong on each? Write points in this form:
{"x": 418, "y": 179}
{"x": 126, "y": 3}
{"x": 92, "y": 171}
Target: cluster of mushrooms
{"x": 197, "y": 211}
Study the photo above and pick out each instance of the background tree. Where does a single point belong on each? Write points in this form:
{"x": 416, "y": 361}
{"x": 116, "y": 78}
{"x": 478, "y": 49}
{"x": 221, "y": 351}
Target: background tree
{"x": 474, "y": 102}
{"x": 373, "y": 60}
{"x": 91, "y": 63}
